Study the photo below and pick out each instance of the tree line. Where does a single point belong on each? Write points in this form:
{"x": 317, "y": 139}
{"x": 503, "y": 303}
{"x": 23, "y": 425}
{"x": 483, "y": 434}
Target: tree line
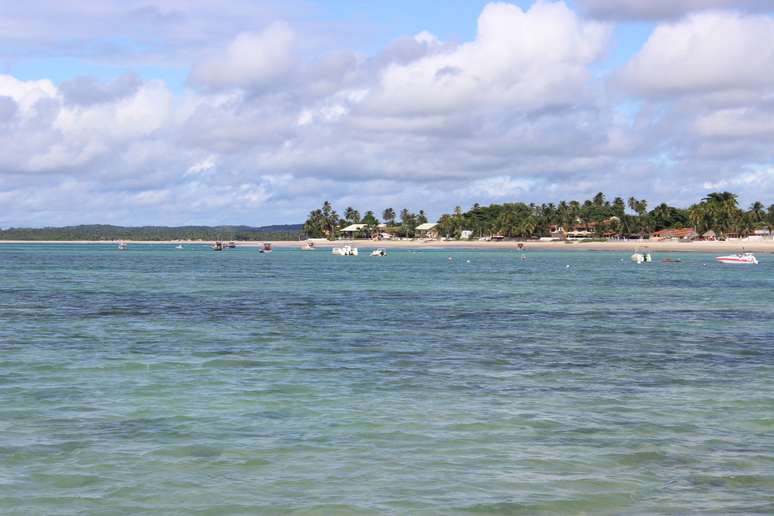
{"x": 98, "y": 232}
{"x": 325, "y": 222}
{"x": 718, "y": 211}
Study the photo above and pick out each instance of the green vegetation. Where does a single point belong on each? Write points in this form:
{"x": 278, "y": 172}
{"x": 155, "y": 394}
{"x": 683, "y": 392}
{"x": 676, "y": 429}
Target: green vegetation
{"x": 154, "y": 233}
{"x": 594, "y": 218}
{"x": 326, "y": 223}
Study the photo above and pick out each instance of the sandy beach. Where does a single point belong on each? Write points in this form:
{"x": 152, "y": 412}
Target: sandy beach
{"x": 729, "y": 246}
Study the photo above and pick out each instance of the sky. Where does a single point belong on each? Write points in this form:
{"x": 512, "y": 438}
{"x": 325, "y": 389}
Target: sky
{"x": 177, "y": 112}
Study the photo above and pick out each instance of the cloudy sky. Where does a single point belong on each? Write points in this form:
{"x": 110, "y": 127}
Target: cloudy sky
{"x": 253, "y": 112}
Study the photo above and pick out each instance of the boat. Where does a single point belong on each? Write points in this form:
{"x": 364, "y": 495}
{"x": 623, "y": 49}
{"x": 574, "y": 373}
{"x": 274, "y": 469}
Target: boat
{"x": 308, "y": 246}
{"x": 231, "y": 245}
{"x": 379, "y": 252}
{"x": 671, "y": 260}
{"x": 347, "y": 250}
{"x": 641, "y": 258}
{"x": 266, "y": 247}
{"x": 123, "y": 246}
{"x": 179, "y": 246}
{"x": 217, "y": 246}
{"x": 741, "y": 258}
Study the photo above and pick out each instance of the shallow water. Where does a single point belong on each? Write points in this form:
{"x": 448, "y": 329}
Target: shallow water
{"x": 168, "y": 381}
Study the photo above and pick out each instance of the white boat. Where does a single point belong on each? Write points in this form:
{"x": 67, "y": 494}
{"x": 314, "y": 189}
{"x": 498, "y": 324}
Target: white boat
{"x": 641, "y": 258}
{"x": 266, "y": 247}
{"x": 347, "y": 250}
{"x": 742, "y": 258}
{"x": 123, "y": 246}
{"x": 308, "y": 246}
{"x": 379, "y": 252}
{"x": 179, "y": 247}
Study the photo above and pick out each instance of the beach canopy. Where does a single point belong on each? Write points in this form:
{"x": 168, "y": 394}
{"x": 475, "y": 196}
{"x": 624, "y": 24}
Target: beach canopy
{"x": 354, "y": 228}
{"x": 709, "y": 233}
{"x": 427, "y": 226}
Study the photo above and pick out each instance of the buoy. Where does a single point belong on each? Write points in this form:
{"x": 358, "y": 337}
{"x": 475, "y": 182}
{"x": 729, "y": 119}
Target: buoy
{"x": 468, "y": 261}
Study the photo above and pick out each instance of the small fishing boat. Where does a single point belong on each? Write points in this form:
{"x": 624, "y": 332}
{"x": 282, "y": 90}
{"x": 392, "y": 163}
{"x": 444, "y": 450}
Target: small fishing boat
{"x": 217, "y": 246}
{"x": 180, "y": 246}
{"x": 123, "y": 246}
{"x": 308, "y": 246}
{"x": 266, "y": 247}
{"x": 740, "y": 258}
{"x": 231, "y": 245}
{"x": 671, "y": 260}
{"x": 347, "y": 250}
{"x": 379, "y": 252}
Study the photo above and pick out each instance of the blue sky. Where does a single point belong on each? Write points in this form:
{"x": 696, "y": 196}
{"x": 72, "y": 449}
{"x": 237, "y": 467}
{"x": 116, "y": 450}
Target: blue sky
{"x": 235, "y": 111}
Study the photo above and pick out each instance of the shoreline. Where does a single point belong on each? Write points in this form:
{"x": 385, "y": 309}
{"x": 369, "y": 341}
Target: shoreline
{"x": 760, "y": 246}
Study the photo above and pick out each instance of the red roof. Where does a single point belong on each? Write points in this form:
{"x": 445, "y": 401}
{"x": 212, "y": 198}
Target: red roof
{"x": 675, "y": 233}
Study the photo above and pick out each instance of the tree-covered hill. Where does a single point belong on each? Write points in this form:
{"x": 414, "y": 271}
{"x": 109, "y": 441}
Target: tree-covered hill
{"x": 157, "y": 233}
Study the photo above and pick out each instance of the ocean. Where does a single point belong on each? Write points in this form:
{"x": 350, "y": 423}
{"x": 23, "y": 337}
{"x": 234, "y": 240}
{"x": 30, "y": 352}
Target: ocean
{"x": 166, "y": 381}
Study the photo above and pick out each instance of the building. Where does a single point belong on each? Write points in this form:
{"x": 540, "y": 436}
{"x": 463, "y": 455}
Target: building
{"x": 353, "y": 230}
{"x": 427, "y": 230}
{"x": 466, "y": 234}
{"x": 675, "y": 234}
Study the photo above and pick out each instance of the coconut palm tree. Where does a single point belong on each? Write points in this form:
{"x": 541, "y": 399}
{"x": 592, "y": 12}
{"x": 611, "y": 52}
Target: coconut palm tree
{"x": 389, "y": 216}
{"x": 757, "y": 212}
{"x": 351, "y": 215}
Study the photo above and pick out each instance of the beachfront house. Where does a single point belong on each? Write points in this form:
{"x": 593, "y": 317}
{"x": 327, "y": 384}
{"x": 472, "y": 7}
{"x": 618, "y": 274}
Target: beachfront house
{"x": 683, "y": 234}
{"x": 354, "y": 230}
{"x": 466, "y": 234}
{"x": 557, "y": 232}
{"x": 427, "y": 230}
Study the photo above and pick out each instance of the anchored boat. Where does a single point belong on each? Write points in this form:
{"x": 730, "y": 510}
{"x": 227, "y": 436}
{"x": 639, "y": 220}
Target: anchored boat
{"x": 641, "y": 257}
{"x": 741, "y": 258}
{"x": 347, "y": 250}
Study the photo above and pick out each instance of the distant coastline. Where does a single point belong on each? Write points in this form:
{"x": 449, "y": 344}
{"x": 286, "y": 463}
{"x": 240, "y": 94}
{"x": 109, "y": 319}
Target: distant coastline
{"x": 760, "y": 246}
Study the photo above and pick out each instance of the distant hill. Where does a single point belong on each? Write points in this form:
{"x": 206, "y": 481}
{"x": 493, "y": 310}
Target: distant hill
{"x": 108, "y": 232}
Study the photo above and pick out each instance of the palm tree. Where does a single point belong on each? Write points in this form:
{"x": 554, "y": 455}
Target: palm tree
{"x": 351, "y": 215}
{"x": 757, "y": 212}
{"x": 389, "y": 216}
{"x": 697, "y": 215}
{"x": 723, "y": 211}
{"x": 331, "y": 219}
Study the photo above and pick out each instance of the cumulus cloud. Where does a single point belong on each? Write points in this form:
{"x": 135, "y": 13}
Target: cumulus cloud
{"x": 528, "y": 59}
{"x": 664, "y": 9}
{"x": 251, "y": 61}
{"x": 48, "y": 132}
{"x": 705, "y": 52}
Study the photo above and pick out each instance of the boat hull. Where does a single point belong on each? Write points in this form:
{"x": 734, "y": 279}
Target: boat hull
{"x": 740, "y": 260}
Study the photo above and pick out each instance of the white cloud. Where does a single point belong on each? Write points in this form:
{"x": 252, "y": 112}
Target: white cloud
{"x": 526, "y": 59}
{"x": 705, "y": 52}
{"x": 203, "y": 165}
{"x": 251, "y": 61}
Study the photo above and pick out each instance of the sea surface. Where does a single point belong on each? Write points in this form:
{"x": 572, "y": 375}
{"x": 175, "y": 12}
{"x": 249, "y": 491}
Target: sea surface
{"x": 164, "y": 381}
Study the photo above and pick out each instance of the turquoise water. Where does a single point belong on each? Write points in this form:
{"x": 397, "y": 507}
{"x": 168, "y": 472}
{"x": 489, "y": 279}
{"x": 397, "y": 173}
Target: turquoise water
{"x": 194, "y": 382}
